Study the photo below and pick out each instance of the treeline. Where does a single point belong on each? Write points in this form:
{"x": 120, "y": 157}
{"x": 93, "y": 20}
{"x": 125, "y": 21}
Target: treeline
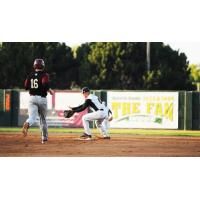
{"x": 98, "y": 65}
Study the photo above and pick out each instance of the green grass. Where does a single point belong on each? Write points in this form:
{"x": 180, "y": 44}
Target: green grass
{"x": 113, "y": 131}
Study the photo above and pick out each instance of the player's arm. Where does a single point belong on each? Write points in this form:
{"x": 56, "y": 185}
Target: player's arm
{"x": 81, "y": 107}
{"x": 45, "y": 82}
{"x": 27, "y": 84}
{"x": 51, "y": 91}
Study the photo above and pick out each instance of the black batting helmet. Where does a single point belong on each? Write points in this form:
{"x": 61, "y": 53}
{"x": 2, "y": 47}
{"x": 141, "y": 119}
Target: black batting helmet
{"x": 85, "y": 89}
{"x": 38, "y": 64}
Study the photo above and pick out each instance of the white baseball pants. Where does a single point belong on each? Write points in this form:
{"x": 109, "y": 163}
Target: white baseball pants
{"x": 98, "y": 117}
{"x": 38, "y": 107}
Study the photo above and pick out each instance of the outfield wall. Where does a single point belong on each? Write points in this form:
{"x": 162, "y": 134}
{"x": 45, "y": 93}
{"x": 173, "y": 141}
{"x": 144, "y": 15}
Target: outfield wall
{"x": 131, "y": 109}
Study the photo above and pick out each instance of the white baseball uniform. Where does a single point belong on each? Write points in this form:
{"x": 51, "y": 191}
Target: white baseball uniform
{"x": 98, "y": 115}
{"x": 38, "y": 107}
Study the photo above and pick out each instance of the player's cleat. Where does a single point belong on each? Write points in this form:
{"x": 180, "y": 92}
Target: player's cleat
{"x": 45, "y": 139}
{"x": 106, "y": 138}
{"x": 85, "y": 137}
{"x": 25, "y": 129}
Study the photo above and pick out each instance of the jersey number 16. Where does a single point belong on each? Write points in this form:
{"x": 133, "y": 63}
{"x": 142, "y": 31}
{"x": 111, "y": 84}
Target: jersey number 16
{"x": 34, "y": 83}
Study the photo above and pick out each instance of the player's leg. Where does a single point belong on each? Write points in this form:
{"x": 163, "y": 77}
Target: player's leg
{"x": 91, "y": 117}
{"x": 85, "y": 119}
{"x": 42, "y": 111}
{"x": 32, "y": 112}
{"x": 102, "y": 126}
{"x": 105, "y": 124}
{"x": 43, "y": 126}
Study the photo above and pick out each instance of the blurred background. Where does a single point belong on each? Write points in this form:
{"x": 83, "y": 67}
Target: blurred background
{"x": 128, "y": 67}
{"x": 104, "y": 65}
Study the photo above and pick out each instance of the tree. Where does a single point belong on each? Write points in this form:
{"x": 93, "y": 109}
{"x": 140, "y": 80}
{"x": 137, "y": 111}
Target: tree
{"x": 110, "y": 65}
{"x": 114, "y": 65}
{"x": 99, "y": 65}
{"x": 16, "y": 61}
{"x": 169, "y": 69}
{"x": 87, "y": 71}
{"x": 195, "y": 74}
{"x": 61, "y": 65}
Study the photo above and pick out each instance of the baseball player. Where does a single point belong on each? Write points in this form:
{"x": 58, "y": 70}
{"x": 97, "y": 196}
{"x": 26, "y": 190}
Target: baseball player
{"x": 99, "y": 114}
{"x": 38, "y": 85}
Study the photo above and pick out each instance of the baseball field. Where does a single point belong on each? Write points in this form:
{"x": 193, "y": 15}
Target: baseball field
{"x": 123, "y": 142}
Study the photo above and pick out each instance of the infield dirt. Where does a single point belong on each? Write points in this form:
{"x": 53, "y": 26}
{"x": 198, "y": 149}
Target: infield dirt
{"x": 67, "y": 145}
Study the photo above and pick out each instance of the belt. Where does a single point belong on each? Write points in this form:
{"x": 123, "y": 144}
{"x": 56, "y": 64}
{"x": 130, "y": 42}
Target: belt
{"x": 101, "y": 109}
{"x": 38, "y": 95}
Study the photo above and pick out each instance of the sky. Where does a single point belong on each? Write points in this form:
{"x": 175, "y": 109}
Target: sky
{"x": 191, "y": 50}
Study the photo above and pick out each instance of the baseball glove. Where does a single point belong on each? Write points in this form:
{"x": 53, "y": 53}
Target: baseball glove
{"x": 68, "y": 113}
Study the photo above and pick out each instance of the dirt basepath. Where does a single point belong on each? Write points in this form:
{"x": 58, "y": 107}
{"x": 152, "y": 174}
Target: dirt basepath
{"x": 119, "y": 145}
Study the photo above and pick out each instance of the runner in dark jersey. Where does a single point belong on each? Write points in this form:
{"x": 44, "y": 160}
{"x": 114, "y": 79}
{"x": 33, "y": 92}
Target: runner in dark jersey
{"x": 38, "y": 85}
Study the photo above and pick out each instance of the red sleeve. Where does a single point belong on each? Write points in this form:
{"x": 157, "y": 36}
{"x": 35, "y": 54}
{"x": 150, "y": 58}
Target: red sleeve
{"x": 26, "y": 84}
{"x": 45, "y": 79}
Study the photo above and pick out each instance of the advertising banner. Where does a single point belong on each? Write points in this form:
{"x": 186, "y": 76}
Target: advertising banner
{"x": 56, "y": 105}
{"x": 157, "y": 110}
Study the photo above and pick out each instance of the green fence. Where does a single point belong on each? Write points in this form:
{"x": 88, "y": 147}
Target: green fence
{"x": 196, "y": 110}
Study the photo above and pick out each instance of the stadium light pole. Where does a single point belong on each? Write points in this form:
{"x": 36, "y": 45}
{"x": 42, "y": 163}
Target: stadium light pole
{"x": 148, "y": 53}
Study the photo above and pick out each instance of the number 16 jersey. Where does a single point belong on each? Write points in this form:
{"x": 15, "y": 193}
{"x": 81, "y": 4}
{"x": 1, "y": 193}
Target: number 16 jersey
{"x": 37, "y": 83}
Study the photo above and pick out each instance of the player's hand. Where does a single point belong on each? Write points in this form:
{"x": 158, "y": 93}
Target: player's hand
{"x": 69, "y": 108}
{"x": 51, "y": 91}
{"x": 110, "y": 118}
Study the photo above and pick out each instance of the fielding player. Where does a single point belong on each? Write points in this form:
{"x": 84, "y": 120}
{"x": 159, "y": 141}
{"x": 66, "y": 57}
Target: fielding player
{"x": 99, "y": 114}
{"x": 38, "y": 85}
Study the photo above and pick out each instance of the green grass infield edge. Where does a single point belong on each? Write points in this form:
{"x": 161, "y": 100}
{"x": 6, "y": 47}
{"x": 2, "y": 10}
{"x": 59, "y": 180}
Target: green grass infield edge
{"x": 111, "y": 131}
